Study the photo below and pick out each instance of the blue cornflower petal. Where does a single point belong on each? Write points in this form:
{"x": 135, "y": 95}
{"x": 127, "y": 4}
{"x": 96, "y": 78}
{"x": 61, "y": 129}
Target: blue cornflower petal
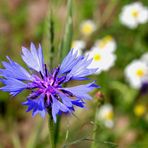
{"x": 13, "y": 86}
{"x": 80, "y": 70}
{"x": 69, "y": 61}
{"x": 79, "y": 103}
{"x": 34, "y": 94}
{"x": 66, "y": 100}
{"x": 57, "y": 106}
{"x": 33, "y": 58}
{"x": 30, "y": 103}
{"x": 37, "y": 105}
{"x": 14, "y": 70}
{"x": 41, "y": 58}
{"x": 14, "y": 93}
{"x": 82, "y": 91}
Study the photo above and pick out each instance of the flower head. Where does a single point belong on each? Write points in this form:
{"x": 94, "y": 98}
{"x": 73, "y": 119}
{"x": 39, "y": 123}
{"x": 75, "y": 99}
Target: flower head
{"x": 140, "y": 110}
{"x": 106, "y": 115}
{"x": 87, "y": 27}
{"x": 106, "y": 44}
{"x": 47, "y": 91}
{"x": 135, "y": 73}
{"x": 134, "y": 14}
{"x": 102, "y": 59}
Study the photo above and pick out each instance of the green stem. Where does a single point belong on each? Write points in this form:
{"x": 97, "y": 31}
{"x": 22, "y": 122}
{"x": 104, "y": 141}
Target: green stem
{"x": 51, "y": 131}
{"x": 95, "y": 127}
{"x": 57, "y": 129}
{"x": 94, "y": 132}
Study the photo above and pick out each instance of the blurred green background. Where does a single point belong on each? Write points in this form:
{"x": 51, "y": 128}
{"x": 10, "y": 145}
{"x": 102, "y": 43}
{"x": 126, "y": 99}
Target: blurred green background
{"x": 24, "y": 21}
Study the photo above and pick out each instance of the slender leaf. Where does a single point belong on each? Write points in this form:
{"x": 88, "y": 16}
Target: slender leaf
{"x": 67, "y": 39}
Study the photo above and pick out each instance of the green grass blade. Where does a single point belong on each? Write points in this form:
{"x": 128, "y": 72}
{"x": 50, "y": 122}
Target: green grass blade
{"x": 67, "y": 39}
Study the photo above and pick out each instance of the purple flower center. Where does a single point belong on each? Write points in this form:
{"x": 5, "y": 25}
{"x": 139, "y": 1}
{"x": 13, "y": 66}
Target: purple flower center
{"x": 48, "y": 85}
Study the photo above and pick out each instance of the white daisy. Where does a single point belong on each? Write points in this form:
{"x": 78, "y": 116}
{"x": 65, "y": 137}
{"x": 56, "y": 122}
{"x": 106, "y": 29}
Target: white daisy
{"x": 135, "y": 73}
{"x": 101, "y": 59}
{"x": 134, "y": 14}
{"x": 144, "y": 59}
{"x": 78, "y": 45}
{"x": 107, "y": 44}
{"x": 87, "y": 27}
{"x": 106, "y": 115}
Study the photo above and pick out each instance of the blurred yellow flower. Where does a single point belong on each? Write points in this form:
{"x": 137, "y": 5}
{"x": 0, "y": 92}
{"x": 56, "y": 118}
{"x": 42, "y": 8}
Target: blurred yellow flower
{"x": 139, "y": 110}
{"x": 107, "y": 44}
{"x": 104, "y": 41}
{"x": 87, "y": 27}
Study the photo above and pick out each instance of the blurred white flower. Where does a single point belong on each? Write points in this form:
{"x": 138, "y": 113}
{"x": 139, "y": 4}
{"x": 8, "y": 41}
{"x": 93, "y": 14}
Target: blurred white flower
{"x": 101, "y": 59}
{"x": 144, "y": 58}
{"x": 135, "y": 73}
{"x": 87, "y": 27}
{"x": 78, "y": 45}
{"x": 134, "y": 14}
{"x": 107, "y": 44}
{"x": 106, "y": 115}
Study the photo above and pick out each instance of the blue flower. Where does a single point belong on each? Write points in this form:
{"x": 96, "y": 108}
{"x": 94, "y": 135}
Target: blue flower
{"x": 47, "y": 91}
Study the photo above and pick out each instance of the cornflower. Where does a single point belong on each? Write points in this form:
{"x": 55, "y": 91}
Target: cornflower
{"x": 47, "y": 91}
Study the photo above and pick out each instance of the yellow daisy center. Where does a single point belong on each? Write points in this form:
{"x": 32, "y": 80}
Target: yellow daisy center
{"x": 97, "y": 57}
{"x": 87, "y": 29}
{"x": 135, "y": 13}
{"x": 109, "y": 115}
{"x": 105, "y": 41}
{"x": 139, "y": 110}
{"x": 140, "y": 73}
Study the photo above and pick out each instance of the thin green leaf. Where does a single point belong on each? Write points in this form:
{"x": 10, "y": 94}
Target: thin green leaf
{"x": 51, "y": 35}
{"x": 67, "y": 39}
{"x": 35, "y": 136}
